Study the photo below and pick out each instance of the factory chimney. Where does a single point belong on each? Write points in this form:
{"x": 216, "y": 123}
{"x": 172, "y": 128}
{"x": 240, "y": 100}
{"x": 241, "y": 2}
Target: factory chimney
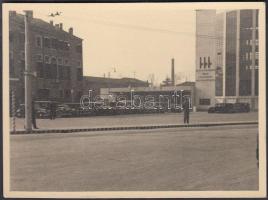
{"x": 172, "y": 72}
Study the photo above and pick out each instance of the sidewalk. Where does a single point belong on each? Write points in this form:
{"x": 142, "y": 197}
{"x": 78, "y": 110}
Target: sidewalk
{"x": 135, "y": 121}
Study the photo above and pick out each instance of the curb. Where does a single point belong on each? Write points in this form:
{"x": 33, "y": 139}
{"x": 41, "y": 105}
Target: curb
{"x": 72, "y": 130}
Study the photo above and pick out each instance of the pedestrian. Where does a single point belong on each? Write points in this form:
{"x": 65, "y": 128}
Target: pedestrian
{"x": 34, "y": 115}
{"x": 50, "y": 111}
{"x": 54, "y": 110}
{"x": 186, "y": 111}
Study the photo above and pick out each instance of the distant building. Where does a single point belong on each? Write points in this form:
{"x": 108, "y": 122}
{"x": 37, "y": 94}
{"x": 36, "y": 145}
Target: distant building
{"x": 227, "y": 57}
{"x": 205, "y": 58}
{"x": 184, "y": 90}
{"x": 96, "y": 83}
{"x": 56, "y": 60}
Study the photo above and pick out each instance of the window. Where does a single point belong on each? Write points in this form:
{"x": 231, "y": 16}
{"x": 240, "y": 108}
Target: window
{"x": 257, "y": 62}
{"x": 60, "y": 68}
{"x": 39, "y": 58}
{"x": 46, "y": 59}
{"x": 79, "y": 48}
{"x": 257, "y": 55}
{"x": 38, "y": 41}
{"x": 250, "y": 55}
{"x": 247, "y": 56}
{"x": 67, "y": 94}
{"x": 53, "y": 61}
{"x": 53, "y": 68}
{"x": 54, "y": 43}
{"x": 256, "y": 42}
{"x": 60, "y": 45}
{"x": 204, "y": 101}
{"x": 66, "y": 46}
{"x": 257, "y": 33}
{"x": 66, "y": 62}
{"x": 47, "y": 43}
{"x": 60, "y": 61}
{"x": 43, "y": 93}
{"x": 40, "y": 69}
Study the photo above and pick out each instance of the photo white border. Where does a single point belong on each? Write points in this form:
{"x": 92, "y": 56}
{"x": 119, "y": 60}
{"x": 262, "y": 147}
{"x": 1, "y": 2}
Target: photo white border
{"x": 138, "y": 194}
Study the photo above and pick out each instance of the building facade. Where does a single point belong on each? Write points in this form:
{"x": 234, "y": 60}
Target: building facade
{"x": 236, "y": 56}
{"x": 96, "y": 83}
{"x": 56, "y": 60}
{"x": 205, "y": 58}
{"x": 167, "y": 94}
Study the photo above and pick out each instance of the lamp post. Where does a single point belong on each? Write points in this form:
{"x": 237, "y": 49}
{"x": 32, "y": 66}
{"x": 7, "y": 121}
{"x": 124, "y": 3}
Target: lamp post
{"x": 28, "y": 74}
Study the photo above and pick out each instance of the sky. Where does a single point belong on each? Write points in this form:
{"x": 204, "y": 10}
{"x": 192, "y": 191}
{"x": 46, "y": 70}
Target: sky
{"x": 132, "y": 39}
{"x": 129, "y": 40}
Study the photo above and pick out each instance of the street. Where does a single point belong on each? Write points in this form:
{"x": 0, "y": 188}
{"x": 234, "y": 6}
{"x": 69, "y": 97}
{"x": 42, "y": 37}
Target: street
{"x": 177, "y": 159}
{"x": 138, "y": 119}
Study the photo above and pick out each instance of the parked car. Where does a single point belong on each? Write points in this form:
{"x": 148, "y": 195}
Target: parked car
{"x": 229, "y": 108}
{"x": 42, "y": 113}
{"x": 20, "y": 112}
{"x": 63, "y": 110}
{"x": 39, "y": 111}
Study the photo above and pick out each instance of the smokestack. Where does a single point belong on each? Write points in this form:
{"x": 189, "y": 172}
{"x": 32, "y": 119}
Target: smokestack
{"x": 61, "y": 26}
{"x": 30, "y": 14}
{"x": 71, "y": 30}
{"x": 51, "y": 22}
{"x": 172, "y": 72}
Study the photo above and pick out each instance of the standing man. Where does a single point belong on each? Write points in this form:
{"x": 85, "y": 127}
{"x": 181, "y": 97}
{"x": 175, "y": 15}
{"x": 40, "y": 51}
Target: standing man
{"x": 186, "y": 111}
{"x": 52, "y": 110}
{"x": 33, "y": 115}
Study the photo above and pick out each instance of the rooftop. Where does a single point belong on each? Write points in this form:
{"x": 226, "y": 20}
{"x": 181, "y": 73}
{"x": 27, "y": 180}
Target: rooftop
{"x": 48, "y": 26}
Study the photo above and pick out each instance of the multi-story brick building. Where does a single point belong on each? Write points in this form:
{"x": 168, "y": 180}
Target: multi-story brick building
{"x": 231, "y": 39}
{"x": 56, "y": 60}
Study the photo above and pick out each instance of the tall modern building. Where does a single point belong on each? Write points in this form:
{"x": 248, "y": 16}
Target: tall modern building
{"x": 233, "y": 37}
{"x": 56, "y": 60}
{"x": 205, "y": 58}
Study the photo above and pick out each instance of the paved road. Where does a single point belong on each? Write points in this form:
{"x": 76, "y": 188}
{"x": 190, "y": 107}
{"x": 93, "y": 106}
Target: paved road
{"x": 164, "y": 159}
{"x": 138, "y": 119}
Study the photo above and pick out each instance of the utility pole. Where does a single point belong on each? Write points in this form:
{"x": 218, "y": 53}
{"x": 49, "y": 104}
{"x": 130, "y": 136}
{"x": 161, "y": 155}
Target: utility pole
{"x": 28, "y": 74}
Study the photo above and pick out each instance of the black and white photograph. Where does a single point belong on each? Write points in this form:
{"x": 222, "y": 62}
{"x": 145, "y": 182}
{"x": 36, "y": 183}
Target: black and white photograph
{"x": 134, "y": 100}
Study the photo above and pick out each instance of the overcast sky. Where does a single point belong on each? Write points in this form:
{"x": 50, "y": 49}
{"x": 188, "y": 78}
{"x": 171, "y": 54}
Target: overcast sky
{"x": 135, "y": 39}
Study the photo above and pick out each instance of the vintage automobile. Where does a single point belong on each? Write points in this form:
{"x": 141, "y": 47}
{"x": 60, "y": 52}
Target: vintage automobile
{"x": 64, "y": 110}
{"x": 229, "y": 108}
{"x": 40, "y": 112}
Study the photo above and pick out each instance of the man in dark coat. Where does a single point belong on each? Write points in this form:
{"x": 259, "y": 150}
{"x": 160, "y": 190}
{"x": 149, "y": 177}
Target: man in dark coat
{"x": 33, "y": 115}
{"x": 186, "y": 111}
{"x": 52, "y": 110}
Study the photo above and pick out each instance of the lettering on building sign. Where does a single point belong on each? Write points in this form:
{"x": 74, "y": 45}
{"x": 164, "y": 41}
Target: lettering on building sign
{"x": 205, "y": 75}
